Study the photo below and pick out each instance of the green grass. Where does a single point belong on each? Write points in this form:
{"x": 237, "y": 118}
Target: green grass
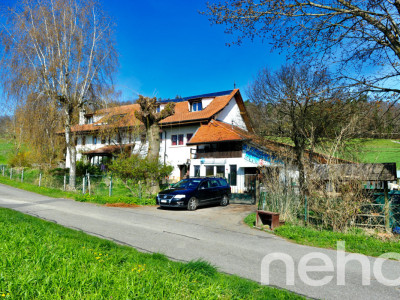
{"x": 5, "y": 149}
{"x": 379, "y": 151}
{"x": 362, "y": 150}
{"x": 356, "y": 241}
{"x": 78, "y": 196}
{"x": 42, "y": 260}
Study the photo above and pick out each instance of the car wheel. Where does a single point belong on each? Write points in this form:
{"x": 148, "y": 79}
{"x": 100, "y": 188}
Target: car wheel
{"x": 224, "y": 200}
{"x": 192, "y": 204}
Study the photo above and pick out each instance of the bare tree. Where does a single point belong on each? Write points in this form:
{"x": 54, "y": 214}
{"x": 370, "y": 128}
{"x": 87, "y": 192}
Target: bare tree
{"x": 63, "y": 49}
{"x": 149, "y": 116}
{"x": 37, "y": 124}
{"x": 306, "y": 106}
{"x": 354, "y": 33}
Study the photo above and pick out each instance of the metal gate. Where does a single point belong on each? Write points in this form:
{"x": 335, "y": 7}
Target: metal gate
{"x": 249, "y": 192}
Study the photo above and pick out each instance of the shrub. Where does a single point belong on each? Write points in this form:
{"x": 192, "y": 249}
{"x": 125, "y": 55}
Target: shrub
{"x": 21, "y": 159}
{"x": 82, "y": 168}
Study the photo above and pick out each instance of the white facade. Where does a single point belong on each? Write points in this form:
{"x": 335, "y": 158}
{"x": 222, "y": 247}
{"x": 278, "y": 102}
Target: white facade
{"x": 231, "y": 115}
{"x": 175, "y": 151}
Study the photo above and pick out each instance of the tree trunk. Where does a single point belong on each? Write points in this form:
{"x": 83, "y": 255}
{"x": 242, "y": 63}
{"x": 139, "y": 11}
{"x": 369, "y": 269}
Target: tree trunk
{"x": 153, "y": 136}
{"x": 72, "y": 153}
{"x": 300, "y": 165}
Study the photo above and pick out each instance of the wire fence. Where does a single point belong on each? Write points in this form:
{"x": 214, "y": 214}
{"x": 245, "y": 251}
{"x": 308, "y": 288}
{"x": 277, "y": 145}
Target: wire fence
{"x": 91, "y": 184}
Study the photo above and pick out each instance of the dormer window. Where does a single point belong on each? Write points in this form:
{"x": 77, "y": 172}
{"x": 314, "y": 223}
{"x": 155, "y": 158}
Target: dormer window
{"x": 89, "y": 120}
{"x": 196, "y": 105}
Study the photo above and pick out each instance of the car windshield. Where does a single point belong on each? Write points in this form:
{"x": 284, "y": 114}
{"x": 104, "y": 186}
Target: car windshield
{"x": 186, "y": 184}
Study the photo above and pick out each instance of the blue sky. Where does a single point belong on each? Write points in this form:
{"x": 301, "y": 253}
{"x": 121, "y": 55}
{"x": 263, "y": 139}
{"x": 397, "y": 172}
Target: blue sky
{"x": 167, "y": 48}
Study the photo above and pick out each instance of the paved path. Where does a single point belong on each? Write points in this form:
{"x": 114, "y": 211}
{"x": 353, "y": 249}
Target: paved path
{"x": 215, "y": 234}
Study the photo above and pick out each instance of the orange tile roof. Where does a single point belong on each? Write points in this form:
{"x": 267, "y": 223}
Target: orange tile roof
{"x": 217, "y": 131}
{"x": 182, "y": 113}
{"x": 118, "y": 116}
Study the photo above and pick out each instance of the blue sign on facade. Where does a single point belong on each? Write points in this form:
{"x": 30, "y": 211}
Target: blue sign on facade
{"x": 258, "y": 156}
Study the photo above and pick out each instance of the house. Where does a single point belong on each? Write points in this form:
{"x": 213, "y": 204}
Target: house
{"x": 208, "y": 135}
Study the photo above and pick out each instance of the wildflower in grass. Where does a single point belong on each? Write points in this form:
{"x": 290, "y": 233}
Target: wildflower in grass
{"x": 98, "y": 257}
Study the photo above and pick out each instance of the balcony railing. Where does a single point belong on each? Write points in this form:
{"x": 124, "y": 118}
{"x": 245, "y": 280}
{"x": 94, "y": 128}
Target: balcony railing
{"x": 219, "y": 154}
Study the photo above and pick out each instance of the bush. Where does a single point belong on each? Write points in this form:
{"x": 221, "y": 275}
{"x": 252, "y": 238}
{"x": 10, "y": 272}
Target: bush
{"x": 82, "y": 168}
{"x": 134, "y": 168}
{"x": 21, "y": 159}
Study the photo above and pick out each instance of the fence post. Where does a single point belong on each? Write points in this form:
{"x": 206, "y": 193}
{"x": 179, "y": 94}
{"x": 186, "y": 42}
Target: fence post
{"x": 387, "y": 205}
{"x": 11, "y": 173}
{"x": 305, "y": 210}
{"x": 3, "y": 171}
{"x": 65, "y": 182}
{"x": 40, "y": 179}
{"x": 110, "y": 190}
{"x": 22, "y": 176}
{"x": 88, "y": 176}
{"x": 140, "y": 190}
{"x": 83, "y": 184}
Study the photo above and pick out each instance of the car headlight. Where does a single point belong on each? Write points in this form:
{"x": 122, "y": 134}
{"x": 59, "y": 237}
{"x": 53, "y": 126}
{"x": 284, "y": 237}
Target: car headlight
{"x": 179, "y": 196}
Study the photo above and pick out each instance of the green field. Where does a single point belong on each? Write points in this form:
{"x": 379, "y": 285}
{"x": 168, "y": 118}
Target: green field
{"x": 364, "y": 150}
{"x": 5, "y": 149}
{"x": 379, "y": 151}
{"x": 43, "y": 260}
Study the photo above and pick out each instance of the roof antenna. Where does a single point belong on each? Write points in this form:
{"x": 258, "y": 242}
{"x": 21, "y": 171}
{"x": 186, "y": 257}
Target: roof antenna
{"x": 234, "y": 85}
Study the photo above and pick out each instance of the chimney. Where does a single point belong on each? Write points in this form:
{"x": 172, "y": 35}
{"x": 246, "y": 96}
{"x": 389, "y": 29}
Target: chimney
{"x": 82, "y": 113}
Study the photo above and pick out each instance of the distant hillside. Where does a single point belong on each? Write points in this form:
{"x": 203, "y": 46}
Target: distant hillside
{"x": 5, "y": 150}
{"x": 379, "y": 151}
{"x": 364, "y": 150}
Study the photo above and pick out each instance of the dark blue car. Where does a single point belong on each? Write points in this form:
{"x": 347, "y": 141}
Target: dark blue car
{"x": 194, "y": 192}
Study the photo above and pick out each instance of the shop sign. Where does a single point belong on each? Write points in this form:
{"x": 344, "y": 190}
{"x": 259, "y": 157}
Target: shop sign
{"x": 258, "y": 156}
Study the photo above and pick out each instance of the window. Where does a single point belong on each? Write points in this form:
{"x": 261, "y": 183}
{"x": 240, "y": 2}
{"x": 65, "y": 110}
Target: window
{"x": 174, "y": 139}
{"x": 220, "y": 171}
{"x": 188, "y": 137}
{"x": 209, "y": 171}
{"x": 158, "y": 109}
{"x": 233, "y": 175}
{"x": 204, "y": 185}
{"x": 196, "y": 106}
{"x": 83, "y": 140}
{"x": 94, "y": 140}
{"x": 89, "y": 120}
{"x": 76, "y": 141}
{"x": 196, "y": 171}
{"x": 180, "y": 139}
{"x": 214, "y": 183}
{"x": 177, "y": 139}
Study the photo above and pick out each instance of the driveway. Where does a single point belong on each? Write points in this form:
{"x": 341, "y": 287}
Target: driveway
{"x": 215, "y": 234}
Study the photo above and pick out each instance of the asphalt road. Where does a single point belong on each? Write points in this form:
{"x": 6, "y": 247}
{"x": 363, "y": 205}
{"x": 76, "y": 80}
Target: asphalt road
{"x": 215, "y": 234}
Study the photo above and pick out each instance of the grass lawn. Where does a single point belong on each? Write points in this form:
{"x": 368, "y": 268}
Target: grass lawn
{"x": 43, "y": 260}
{"x": 5, "y": 149}
{"x": 357, "y": 242}
{"x": 57, "y": 193}
{"x": 365, "y": 150}
{"x": 379, "y": 151}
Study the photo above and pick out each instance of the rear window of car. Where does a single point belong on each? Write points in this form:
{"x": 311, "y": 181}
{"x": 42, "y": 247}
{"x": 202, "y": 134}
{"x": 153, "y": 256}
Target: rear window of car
{"x": 222, "y": 182}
